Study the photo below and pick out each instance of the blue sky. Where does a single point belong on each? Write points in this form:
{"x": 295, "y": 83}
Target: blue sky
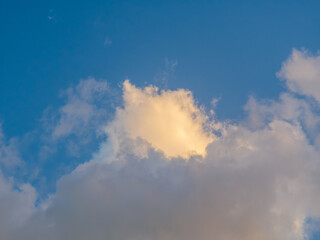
{"x": 235, "y": 47}
{"x": 63, "y": 65}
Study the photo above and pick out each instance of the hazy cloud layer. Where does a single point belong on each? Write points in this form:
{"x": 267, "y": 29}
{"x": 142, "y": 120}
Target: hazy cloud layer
{"x": 168, "y": 172}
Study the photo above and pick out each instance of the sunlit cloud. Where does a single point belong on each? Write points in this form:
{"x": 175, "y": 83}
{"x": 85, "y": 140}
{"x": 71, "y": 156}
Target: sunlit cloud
{"x": 168, "y": 120}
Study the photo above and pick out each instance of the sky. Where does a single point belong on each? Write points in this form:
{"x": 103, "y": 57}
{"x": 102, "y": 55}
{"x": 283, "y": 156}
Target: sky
{"x": 160, "y": 120}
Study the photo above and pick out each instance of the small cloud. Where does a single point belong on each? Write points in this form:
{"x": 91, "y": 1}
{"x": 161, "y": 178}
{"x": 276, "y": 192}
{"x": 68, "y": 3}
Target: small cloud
{"x": 214, "y": 102}
{"x": 82, "y": 112}
{"x": 170, "y": 65}
{"x": 166, "y": 73}
{"x": 52, "y": 15}
{"x": 107, "y": 41}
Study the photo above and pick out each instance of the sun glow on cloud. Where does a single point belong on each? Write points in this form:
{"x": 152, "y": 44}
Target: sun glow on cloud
{"x": 168, "y": 120}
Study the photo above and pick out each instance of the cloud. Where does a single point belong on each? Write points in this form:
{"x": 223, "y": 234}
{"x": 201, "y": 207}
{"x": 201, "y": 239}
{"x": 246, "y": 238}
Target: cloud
{"x": 168, "y": 120}
{"x": 9, "y": 153}
{"x": 167, "y": 73}
{"x": 16, "y": 207}
{"x": 288, "y": 108}
{"x": 69, "y": 133}
{"x": 302, "y": 73}
{"x": 107, "y": 41}
{"x": 80, "y": 111}
{"x": 259, "y": 184}
{"x": 170, "y": 65}
{"x": 169, "y": 172}
{"x": 52, "y": 16}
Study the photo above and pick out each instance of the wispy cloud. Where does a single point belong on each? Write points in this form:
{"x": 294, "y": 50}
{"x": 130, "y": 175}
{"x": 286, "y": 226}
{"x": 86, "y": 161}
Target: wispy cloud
{"x": 9, "y": 152}
{"x": 79, "y": 121}
{"x": 80, "y": 111}
{"x": 167, "y": 72}
{"x": 52, "y": 16}
{"x": 107, "y": 41}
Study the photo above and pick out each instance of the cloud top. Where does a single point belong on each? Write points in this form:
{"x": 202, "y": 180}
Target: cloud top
{"x": 302, "y": 73}
{"x": 169, "y": 121}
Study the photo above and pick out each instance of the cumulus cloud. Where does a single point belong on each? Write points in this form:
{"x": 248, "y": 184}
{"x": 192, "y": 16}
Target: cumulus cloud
{"x": 16, "y": 207}
{"x": 259, "y": 184}
{"x": 288, "y": 108}
{"x": 168, "y": 120}
{"x": 256, "y": 179}
{"x": 302, "y": 73}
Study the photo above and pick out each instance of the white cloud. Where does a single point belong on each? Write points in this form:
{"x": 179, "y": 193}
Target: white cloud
{"x": 288, "y": 108}
{"x": 9, "y": 153}
{"x": 16, "y": 207}
{"x": 80, "y": 111}
{"x": 78, "y": 121}
{"x": 168, "y": 120}
{"x": 302, "y": 73}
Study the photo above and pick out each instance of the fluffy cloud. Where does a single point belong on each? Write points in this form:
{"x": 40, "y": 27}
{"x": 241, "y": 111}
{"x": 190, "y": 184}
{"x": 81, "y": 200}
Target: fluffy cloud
{"x": 16, "y": 207}
{"x": 259, "y": 184}
{"x": 302, "y": 73}
{"x": 169, "y": 121}
{"x": 256, "y": 179}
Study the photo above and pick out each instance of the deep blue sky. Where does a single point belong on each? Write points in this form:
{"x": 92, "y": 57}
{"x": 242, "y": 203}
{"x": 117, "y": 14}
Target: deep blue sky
{"x": 224, "y": 49}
